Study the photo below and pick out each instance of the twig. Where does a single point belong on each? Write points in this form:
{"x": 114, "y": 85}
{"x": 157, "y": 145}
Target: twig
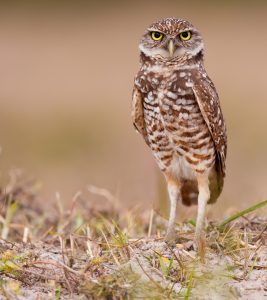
{"x": 104, "y": 193}
{"x": 43, "y": 236}
{"x": 178, "y": 259}
{"x": 57, "y": 264}
{"x": 260, "y": 234}
{"x": 245, "y": 266}
{"x": 25, "y": 234}
{"x": 64, "y": 270}
{"x": 108, "y": 244}
{"x": 150, "y": 278}
{"x": 150, "y": 223}
{"x": 40, "y": 275}
{"x": 250, "y": 266}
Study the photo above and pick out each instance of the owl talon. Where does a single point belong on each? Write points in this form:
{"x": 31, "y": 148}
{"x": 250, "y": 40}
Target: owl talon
{"x": 171, "y": 239}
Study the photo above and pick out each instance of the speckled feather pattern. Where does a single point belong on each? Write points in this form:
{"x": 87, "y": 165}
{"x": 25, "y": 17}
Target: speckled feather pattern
{"x": 176, "y": 109}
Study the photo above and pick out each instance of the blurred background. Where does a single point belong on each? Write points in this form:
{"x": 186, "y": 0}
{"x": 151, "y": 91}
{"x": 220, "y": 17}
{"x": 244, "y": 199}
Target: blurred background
{"x": 66, "y": 77}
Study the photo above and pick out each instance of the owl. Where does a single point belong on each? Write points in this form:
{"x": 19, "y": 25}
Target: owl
{"x": 175, "y": 107}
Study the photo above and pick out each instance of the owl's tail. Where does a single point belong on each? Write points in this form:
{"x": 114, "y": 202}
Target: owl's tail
{"x": 189, "y": 191}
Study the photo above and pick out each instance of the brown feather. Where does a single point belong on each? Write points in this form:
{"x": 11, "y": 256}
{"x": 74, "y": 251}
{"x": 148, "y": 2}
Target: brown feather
{"x": 138, "y": 113}
{"x": 209, "y": 105}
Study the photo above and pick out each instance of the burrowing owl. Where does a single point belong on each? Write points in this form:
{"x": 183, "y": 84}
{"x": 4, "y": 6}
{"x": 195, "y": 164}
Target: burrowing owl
{"x": 176, "y": 109}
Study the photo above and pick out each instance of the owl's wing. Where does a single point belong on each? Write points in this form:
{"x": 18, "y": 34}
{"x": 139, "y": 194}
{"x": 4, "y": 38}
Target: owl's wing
{"x": 138, "y": 113}
{"x": 208, "y": 101}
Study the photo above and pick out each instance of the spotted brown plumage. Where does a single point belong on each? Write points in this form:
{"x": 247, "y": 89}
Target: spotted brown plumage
{"x": 176, "y": 109}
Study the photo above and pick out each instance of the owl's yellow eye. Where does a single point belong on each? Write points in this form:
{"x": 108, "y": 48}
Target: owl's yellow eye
{"x": 185, "y": 36}
{"x": 156, "y": 36}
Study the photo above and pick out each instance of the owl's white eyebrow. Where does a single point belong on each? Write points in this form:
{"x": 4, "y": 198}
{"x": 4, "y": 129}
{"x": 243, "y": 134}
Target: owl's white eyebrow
{"x": 154, "y": 29}
{"x": 187, "y": 29}
{"x": 184, "y": 30}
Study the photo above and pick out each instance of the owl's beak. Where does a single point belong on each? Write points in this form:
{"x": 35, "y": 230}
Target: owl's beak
{"x": 171, "y": 48}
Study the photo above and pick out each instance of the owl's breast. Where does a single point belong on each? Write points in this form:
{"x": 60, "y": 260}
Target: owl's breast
{"x": 169, "y": 98}
{"x": 174, "y": 123}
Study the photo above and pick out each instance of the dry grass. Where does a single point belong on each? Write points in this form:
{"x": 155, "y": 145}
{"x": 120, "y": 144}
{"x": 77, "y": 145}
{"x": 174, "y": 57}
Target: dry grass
{"x": 95, "y": 251}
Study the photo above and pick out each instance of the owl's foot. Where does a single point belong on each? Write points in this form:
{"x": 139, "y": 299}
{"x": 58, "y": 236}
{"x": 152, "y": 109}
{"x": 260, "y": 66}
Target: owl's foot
{"x": 171, "y": 240}
{"x": 171, "y": 237}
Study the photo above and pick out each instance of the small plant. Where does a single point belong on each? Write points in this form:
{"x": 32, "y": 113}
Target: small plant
{"x": 58, "y": 293}
{"x": 10, "y": 212}
{"x": 165, "y": 265}
{"x": 119, "y": 237}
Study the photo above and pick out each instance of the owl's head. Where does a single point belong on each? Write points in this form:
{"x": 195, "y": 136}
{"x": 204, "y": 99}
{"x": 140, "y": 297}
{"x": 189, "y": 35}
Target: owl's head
{"x": 170, "y": 39}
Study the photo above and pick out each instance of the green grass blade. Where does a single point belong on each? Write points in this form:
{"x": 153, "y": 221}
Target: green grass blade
{"x": 242, "y": 213}
{"x": 190, "y": 285}
{"x": 11, "y": 210}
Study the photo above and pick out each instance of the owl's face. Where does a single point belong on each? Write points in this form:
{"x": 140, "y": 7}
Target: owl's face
{"x": 171, "y": 38}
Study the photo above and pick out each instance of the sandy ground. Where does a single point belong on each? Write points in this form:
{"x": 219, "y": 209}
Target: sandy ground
{"x": 97, "y": 250}
{"x": 47, "y": 270}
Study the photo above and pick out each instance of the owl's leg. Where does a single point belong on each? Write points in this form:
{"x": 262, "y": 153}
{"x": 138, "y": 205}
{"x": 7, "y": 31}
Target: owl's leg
{"x": 203, "y": 198}
{"x": 174, "y": 195}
